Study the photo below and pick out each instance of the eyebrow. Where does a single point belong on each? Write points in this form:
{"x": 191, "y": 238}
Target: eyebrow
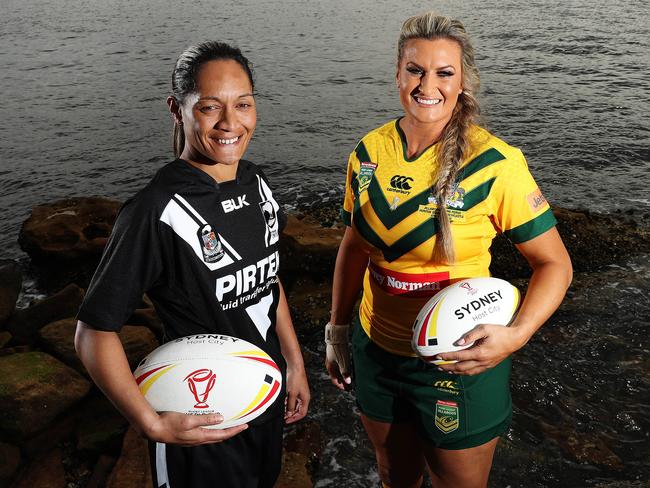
{"x": 218, "y": 99}
{"x": 441, "y": 67}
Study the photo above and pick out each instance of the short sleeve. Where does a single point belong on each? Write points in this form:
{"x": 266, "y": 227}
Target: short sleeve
{"x": 130, "y": 266}
{"x": 350, "y": 183}
{"x": 520, "y": 210}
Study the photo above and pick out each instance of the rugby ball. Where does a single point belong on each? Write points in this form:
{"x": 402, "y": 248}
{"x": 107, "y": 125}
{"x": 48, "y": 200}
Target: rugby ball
{"x": 210, "y": 373}
{"x": 457, "y": 309}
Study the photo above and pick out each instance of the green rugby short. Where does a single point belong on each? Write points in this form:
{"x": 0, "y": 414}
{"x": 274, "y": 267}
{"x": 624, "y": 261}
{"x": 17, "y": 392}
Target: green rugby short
{"x": 450, "y": 411}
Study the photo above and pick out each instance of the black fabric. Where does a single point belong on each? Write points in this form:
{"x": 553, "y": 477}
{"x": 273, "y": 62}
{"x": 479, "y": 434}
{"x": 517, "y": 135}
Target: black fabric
{"x": 251, "y": 459}
{"x": 205, "y": 253}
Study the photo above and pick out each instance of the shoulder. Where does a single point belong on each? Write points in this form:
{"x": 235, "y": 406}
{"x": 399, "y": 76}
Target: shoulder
{"x": 482, "y": 140}
{"x": 380, "y": 137}
{"x": 381, "y": 133}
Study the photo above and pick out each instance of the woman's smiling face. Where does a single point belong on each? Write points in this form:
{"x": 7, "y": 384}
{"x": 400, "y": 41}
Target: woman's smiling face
{"x": 220, "y": 118}
{"x": 429, "y": 78}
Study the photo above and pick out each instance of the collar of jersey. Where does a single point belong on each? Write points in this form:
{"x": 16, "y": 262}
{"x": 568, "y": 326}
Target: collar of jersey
{"x": 242, "y": 172}
{"x": 402, "y": 137}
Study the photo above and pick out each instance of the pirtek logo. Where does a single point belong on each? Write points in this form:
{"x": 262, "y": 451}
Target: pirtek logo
{"x": 231, "y": 204}
{"x": 401, "y": 182}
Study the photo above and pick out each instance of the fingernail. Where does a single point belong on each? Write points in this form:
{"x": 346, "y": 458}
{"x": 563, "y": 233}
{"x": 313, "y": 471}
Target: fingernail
{"x": 218, "y": 418}
{"x": 440, "y": 369}
{"x": 348, "y": 381}
{"x": 461, "y": 342}
{"x": 438, "y": 358}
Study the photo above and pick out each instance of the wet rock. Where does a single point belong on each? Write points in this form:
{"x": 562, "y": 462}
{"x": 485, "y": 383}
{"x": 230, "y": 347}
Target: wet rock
{"x": 69, "y": 229}
{"x": 307, "y": 247}
{"x": 583, "y": 447}
{"x": 11, "y": 282}
{"x": 132, "y": 469}
{"x": 34, "y": 389}
{"x": 45, "y": 472}
{"x": 24, "y": 324}
{"x": 295, "y": 473}
{"x": 101, "y": 472}
{"x": 5, "y": 337}
{"x": 58, "y": 339}
{"x": 62, "y": 429}
{"x": 303, "y": 447}
{"x": 310, "y": 304}
{"x": 100, "y": 427}
{"x": 9, "y": 462}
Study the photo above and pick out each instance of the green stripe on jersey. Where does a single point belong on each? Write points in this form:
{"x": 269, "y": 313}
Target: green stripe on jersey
{"x": 532, "y": 228}
{"x": 362, "y": 153}
{"x": 481, "y": 161}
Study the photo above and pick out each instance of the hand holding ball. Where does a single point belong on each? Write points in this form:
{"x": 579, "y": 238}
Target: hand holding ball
{"x": 457, "y": 309}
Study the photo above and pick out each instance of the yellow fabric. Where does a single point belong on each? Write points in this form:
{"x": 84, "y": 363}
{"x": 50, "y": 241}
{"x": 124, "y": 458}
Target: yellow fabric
{"x": 389, "y": 202}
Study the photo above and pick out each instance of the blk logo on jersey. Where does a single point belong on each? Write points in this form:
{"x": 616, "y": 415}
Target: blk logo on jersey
{"x": 232, "y": 204}
{"x": 210, "y": 245}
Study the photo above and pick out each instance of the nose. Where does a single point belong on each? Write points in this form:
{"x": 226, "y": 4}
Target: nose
{"x": 228, "y": 120}
{"x": 428, "y": 84}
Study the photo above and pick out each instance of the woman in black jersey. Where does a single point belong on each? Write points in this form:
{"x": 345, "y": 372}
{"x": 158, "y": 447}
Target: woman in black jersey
{"x": 159, "y": 247}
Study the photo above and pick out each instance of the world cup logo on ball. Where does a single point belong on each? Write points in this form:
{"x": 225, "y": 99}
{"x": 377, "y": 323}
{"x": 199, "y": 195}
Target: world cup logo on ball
{"x": 200, "y": 383}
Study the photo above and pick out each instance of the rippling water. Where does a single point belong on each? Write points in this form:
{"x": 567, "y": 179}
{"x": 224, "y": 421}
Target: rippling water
{"x": 84, "y": 87}
{"x": 83, "y": 113}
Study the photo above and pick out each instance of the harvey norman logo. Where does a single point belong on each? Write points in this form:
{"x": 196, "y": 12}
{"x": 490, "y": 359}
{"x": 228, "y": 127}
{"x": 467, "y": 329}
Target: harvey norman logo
{"x": 408, "y": 284}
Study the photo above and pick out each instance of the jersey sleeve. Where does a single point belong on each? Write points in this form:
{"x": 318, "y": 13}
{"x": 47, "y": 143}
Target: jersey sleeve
{"x": 130, "y": 266}
{"x": 351, "y": 183}
{"x": 520, "y": 210}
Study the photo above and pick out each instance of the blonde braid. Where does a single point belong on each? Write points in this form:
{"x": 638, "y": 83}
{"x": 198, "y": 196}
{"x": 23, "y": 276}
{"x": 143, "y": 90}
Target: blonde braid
{"x": 454, "y": 144}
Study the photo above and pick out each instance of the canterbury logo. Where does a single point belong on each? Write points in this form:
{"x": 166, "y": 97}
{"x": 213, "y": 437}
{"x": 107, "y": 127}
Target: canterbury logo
{"x": 401, "y": 182}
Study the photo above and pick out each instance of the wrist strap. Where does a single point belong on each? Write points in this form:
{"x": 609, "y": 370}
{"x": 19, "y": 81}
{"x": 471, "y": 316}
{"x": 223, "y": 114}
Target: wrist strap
{"x": 336, "y": 334}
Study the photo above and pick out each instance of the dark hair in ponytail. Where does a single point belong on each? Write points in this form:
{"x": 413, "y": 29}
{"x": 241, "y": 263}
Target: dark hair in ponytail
{"x": 186, "y": 69}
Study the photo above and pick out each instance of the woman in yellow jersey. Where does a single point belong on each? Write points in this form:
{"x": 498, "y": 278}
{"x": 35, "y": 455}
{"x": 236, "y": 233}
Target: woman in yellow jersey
{"x": 425, "y": 196}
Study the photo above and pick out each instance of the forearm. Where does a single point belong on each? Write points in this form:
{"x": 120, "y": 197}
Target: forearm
{"x": 546, "y": 289}
{"x": 286, "y": 333}
{"x": 351, "y": 264}
{"x": 103, "y": 356}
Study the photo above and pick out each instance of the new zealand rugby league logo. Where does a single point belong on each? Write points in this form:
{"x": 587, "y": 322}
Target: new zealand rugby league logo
{"x": 269, "y": 208}
{"x": 210, "y": 244}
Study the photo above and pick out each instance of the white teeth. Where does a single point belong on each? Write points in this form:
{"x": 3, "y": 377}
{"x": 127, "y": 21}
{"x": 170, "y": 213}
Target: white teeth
{"x": 424, "y": 101}
{"x": 228, "y": 141}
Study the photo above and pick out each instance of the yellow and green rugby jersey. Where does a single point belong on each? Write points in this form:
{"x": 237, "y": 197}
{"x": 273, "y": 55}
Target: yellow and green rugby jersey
{"x": 389, "y": 201}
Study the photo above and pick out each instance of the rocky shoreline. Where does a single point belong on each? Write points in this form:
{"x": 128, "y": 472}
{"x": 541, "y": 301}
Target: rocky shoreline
{"x": 58, "y": 430}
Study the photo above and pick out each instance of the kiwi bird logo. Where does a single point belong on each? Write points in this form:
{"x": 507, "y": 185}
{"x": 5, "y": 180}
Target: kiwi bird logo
{"x": 200, "y": 383}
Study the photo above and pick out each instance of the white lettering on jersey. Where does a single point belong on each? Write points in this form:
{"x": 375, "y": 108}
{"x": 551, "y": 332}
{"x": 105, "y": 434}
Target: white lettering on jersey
{"x": 230, "y": 204}
{"x": 182, "y": 218}
{"x": 259, "y": 314}
{"x": 247, "y": 279}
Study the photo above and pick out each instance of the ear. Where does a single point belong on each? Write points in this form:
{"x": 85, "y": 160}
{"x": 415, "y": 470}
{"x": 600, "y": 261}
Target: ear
{"x": 175, "y": 110}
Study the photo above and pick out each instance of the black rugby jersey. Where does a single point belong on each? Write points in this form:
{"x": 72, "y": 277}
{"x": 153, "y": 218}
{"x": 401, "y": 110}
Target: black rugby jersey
{"x": 206, "y": 253}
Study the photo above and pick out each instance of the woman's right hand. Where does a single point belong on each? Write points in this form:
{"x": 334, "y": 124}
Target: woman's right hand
{"x": 189, "y": 430}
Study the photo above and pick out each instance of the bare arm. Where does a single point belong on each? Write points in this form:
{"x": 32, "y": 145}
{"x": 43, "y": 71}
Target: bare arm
{"x": 298, "y": 395}
{"x": 351, "y": 264}
{"x": 552, "y": 274}
{"x": 103, "y": 356}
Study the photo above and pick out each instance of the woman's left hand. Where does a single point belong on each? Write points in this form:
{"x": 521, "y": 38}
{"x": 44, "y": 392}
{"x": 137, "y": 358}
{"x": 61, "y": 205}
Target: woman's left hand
{"x": 492, "y": 344}
{"x": 298, "y": 395}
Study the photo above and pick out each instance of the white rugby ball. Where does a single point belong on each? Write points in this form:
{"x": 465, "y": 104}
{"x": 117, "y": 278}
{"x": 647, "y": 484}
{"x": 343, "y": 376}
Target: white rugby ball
{"x": 210, "y": 373}
{"x": 457, "y": 309}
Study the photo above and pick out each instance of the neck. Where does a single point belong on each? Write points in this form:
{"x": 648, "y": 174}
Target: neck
{"x": 218, "y": 171}
{"x": 419, "y": 136}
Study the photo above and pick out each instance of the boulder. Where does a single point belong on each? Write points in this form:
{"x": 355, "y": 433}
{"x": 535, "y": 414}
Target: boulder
{"x": 100, "y": 427}
{"x": 5, "y": 337}
{"x": 58, "y": 339}
{"x": 24, "y": 323}
{"x": 70, "y": 229}
{"x": 295, "y": 472}
{"x": 307, "y": 247}
{"x": 9, "y": 462}
{"x": 34, "y": 389}
{"x": 101, "y": 472}
{"x": 132, "y": 469}
{"x": 310, "y": 303}
{"x": 44, "y": 472}
{"x": 11, "y": 282}
{"x": 303, "y": 448}
{"x": 61, "y": 430}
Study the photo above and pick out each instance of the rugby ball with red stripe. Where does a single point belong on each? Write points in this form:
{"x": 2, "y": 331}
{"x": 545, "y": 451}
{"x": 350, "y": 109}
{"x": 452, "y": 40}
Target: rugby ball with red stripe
{"x": 210, "y": 373}
{"x": 457, "y": 309}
